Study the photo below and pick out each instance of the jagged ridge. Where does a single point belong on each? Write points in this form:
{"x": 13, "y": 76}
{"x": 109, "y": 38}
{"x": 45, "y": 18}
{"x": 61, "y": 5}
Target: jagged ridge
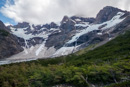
{"x": 70, "y": 35}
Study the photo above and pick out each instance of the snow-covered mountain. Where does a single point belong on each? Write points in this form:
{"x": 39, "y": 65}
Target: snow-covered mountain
{"x": 69, "y": 35}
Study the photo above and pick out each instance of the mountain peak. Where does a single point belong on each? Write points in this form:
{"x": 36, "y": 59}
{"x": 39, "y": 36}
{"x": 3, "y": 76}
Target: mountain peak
{"x": 110, "y": 7}
{"x": 67, "y": 23}
{"x": 22, "y": 25}
{"x": 107, "y": 13}
{"x": 2, "y": 26}
{"x": 65, "y": 19}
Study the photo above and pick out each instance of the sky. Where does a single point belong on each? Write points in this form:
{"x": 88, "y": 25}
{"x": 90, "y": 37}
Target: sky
{"x": 3, "y": 18}
{"x": 46, "y": 11}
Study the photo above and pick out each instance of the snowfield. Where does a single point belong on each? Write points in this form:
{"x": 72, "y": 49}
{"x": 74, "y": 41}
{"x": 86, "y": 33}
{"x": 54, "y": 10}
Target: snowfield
{"x": 114, "y": 21}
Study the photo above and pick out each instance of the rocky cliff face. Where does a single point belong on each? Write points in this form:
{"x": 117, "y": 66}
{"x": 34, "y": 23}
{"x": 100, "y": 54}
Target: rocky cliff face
{"x": 107, "y": 14}
{"x": 8, "y": 43}
{"x": 71, "y": 34}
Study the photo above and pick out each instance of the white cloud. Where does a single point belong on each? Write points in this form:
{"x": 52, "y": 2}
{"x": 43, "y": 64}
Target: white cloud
{"x": 7, "y": 24}
{"x": 44, "y": 11}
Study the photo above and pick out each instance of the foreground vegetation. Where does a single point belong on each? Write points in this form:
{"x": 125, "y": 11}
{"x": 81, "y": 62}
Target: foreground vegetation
{"x": 108, "y": 65}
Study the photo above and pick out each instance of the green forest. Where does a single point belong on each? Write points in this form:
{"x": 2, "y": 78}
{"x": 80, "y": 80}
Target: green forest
{"x": 107, "y": 66}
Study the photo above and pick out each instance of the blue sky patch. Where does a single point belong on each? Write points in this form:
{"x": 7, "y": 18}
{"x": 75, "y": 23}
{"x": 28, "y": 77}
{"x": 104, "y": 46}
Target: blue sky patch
{"x": 4, "y": 18}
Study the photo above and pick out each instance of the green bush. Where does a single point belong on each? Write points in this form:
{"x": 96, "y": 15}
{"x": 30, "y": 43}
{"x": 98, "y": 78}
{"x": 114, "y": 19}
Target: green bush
{"x": 4, "y": 33}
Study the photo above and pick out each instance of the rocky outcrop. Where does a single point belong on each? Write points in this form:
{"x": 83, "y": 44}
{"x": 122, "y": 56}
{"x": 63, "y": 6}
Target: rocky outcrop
{"x": 123, "y": 25}
{"x": 67, "y": 24}
{"x": 8, "y": 43}
{"x": 82, "y": 19}
{"x": 3, "y": 27}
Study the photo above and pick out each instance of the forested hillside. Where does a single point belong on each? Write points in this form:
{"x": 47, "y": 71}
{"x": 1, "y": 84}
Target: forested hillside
{"x": 107, "y": 66}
